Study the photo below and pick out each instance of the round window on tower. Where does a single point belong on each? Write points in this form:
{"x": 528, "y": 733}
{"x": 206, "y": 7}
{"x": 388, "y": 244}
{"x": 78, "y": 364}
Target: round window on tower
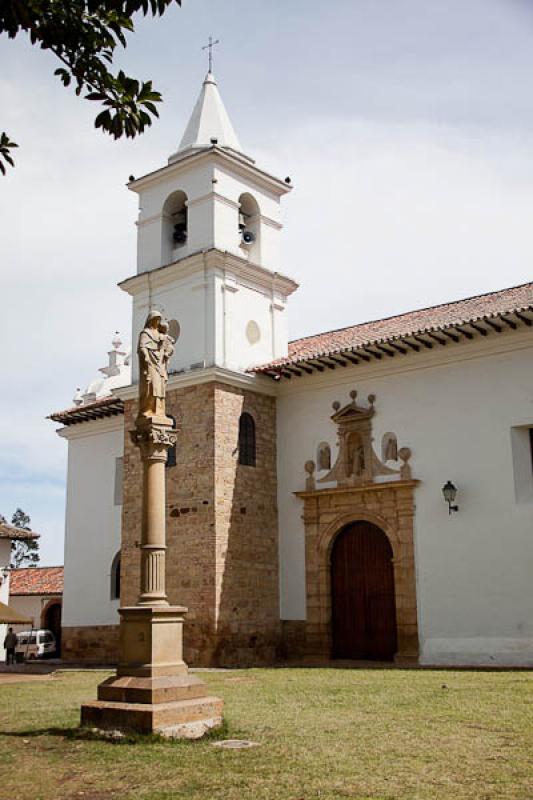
{"x": 253, "y": 332}
{"x": 174, "y": 329}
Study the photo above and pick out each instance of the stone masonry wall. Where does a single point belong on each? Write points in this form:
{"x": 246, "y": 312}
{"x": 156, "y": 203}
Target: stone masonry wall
{"x": 90, "y": 643}
{"x": 222, "y": 560}
{"x": 248, "y": 623}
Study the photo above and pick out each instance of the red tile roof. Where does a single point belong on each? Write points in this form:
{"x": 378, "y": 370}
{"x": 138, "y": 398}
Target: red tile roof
{"x": 107, "y": 407}
{"x": 469, "y": 318}
{"x": 11, "y": 532}
{"x": 36, "y": 580}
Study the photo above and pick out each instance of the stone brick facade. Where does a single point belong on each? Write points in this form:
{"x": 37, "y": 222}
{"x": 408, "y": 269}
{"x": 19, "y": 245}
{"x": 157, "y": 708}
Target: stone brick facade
{"x": 222, "y": 534}
{"x": 97, "y": 644}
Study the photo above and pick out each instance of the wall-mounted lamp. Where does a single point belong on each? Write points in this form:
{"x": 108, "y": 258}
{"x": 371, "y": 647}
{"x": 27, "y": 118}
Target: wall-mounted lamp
{"x": 449, "y": 491}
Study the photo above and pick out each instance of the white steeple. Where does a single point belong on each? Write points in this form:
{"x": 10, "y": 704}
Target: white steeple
{"x": 208, "y": 248}
{"x": 209, "y": 121}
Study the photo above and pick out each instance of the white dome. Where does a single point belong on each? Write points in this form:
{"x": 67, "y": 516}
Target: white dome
{"x": 117, "y": 373}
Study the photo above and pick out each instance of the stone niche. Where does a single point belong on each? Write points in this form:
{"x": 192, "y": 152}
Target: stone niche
{"x": 361, "y": 487}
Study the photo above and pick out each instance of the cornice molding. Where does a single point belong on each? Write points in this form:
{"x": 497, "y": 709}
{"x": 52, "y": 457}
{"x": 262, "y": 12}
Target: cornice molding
{"x": 413, "y": 362}
{"x": 219, "y": 156}
{"x": 141, "y": 222}
{"x": 211, "y": 260}
{"x": 213, "y": 196}
{"x": 91, "y": 427}
{"x": 241, "y": 380}
{"x": 271, "y": 223}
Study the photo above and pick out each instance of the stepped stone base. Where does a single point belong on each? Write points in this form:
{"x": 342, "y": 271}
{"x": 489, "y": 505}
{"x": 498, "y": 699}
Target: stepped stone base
{"x": 181, "y": 718}
{"x": 152, "y": 691}
{"x": 165, "y": 689}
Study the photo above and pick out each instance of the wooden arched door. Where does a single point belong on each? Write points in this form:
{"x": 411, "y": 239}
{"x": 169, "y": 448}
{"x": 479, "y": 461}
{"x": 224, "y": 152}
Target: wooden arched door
{"x": 362, "y": 594}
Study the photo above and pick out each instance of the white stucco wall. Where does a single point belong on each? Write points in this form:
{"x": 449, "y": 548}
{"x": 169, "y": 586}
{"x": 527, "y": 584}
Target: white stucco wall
{"x": 455, "y": 409}
{"x": 214, "y": 300}
{"x": 31, "y": 605}
{"x": 93, "y": 522}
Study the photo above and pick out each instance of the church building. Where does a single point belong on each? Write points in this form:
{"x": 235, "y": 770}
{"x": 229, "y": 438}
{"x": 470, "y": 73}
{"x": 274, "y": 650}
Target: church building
{"x": 364, "y": 493}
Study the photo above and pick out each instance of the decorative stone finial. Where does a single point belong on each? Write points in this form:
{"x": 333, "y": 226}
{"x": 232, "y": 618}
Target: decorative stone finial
{"x": 371, "y": 399}
{"x": 309, "y": 467}
{"x": 404, "y": 453}
{"x": 116, "y": 340}
{"x": 353, "y": 394}
{"x": 78, "y": 397}
{"x": 336, "y": 405}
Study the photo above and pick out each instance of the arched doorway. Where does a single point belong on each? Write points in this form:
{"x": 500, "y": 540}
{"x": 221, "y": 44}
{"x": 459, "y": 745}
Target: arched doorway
{"x": 363, "y": 607}
{"x": 52, "y": 622}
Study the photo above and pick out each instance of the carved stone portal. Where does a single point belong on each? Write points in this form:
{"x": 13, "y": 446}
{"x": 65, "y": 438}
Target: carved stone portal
{"x": 365, "y": 489}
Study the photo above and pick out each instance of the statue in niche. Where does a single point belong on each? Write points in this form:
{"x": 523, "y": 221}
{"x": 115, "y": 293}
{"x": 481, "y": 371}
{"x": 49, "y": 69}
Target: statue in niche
{"x": 389, "y": 447}
{"x": 324, "y": 456}
{"x": 358, "y": 462}
{"x": 154, "y": 349}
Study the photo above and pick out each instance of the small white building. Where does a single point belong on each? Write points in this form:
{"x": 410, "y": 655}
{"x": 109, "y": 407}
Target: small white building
{"x": 305, "y": 506}
{"x": 37, "y": 593}
{"x": 8, "y": 534}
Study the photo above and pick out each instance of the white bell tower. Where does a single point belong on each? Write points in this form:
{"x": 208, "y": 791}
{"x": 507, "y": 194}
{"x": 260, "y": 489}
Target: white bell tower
{"x": 208, "y": 250}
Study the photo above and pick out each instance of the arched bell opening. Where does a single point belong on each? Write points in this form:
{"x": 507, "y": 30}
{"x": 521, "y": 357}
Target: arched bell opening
{"x": 174, "y": 226}
{"x": 249, "y": 226}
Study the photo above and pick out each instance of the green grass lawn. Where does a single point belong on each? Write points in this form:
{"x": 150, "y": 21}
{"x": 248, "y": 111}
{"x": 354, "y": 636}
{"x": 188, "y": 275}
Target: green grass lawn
{"x": 323, "y": 733}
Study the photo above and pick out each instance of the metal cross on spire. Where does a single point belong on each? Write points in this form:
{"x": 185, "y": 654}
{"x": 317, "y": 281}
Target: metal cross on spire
{"x": 209, "y": 47}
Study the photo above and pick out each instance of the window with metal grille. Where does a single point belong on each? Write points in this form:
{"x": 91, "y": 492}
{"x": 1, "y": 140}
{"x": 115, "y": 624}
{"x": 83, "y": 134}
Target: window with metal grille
{"x": 247, "y": 440}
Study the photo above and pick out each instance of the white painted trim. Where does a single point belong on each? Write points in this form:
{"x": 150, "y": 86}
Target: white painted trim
{"x": 196, "y": 377}
{"x": 478, "y": 651}
{"x": 217, "y": 155}
{"x": 213, "y": 259}
{"x": 213, "y": 196}
{"x": 148, "y": 220}
{"x": 91, "y": 427}
{"x": 272, "y": 223}
{"x": 412, "y": 362}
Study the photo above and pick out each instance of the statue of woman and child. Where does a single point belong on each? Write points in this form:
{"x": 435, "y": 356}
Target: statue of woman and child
{"x": 155, "y": 348}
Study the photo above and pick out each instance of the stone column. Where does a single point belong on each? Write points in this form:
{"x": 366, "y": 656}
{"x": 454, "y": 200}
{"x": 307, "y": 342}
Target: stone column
{"x": 153, "y": 439}
{"x": 152, "y": 691}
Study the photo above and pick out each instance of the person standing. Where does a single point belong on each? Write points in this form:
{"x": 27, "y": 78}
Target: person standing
{"x": 10, "y": 643}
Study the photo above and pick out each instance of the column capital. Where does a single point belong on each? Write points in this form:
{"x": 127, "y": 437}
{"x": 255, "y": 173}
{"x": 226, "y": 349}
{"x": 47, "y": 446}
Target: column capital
{"x": 154, "y": 439}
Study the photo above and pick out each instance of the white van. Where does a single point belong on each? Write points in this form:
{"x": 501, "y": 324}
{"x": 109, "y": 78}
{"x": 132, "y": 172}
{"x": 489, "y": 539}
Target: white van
{"x": 38, "y": 643}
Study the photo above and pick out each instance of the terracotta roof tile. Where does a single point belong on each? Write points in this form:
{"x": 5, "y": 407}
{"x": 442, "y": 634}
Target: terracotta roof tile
{"x": 98, "y": 409}
{"x": 11, "y": 532}
{"x": 425, "y": 320}
{"x": 36, "y": 580}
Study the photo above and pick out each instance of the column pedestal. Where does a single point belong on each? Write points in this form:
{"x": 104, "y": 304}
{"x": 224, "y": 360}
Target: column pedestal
{"x": 152, "y": 691}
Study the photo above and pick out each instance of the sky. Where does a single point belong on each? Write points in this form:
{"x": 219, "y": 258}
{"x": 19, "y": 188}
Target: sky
{"x": 405, "y": 126}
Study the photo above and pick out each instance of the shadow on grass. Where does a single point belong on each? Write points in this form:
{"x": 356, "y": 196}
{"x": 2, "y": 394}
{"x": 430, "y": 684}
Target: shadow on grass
{"x": 80, "y": 734}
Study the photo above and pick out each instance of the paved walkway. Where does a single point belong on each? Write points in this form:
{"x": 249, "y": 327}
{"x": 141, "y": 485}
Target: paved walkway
{"x": 19, "y": 677}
